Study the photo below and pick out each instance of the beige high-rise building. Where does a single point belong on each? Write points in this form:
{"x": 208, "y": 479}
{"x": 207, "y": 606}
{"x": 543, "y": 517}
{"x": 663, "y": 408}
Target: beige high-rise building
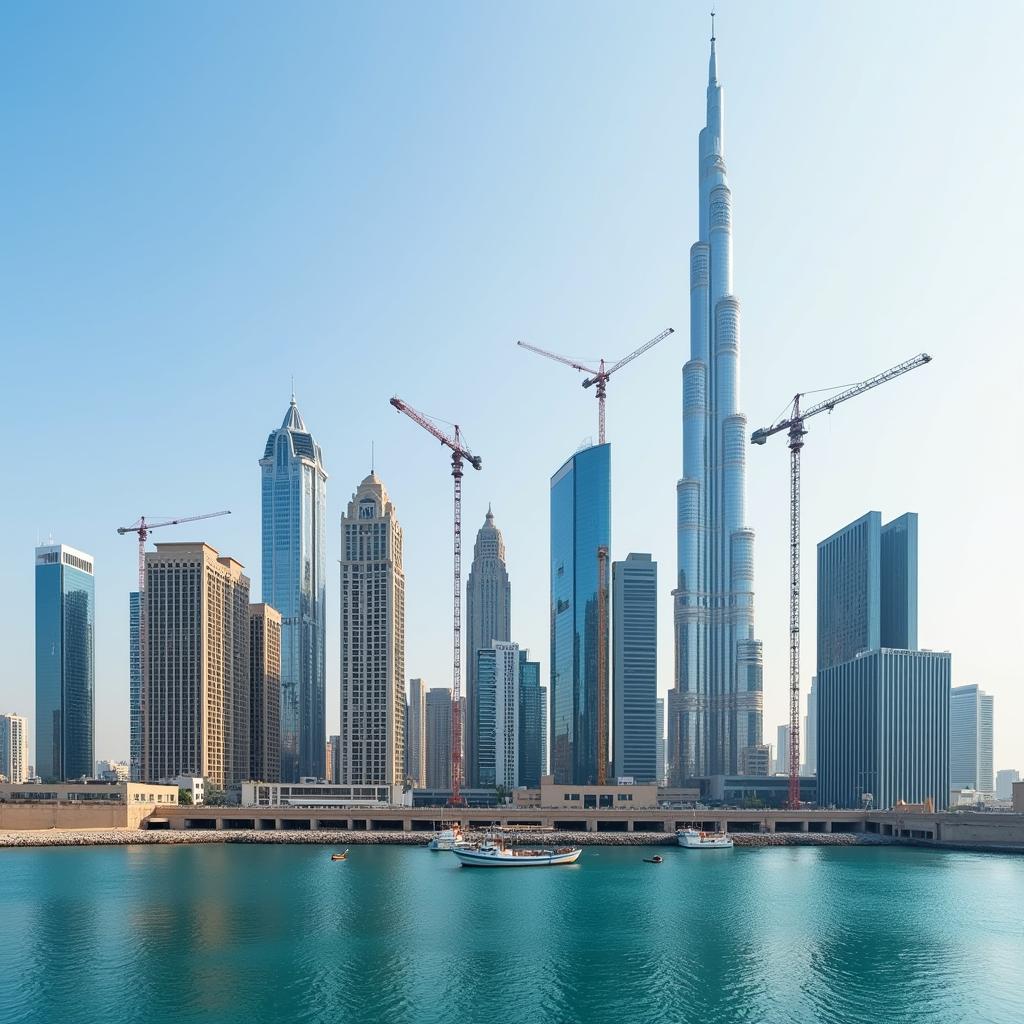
{"x": 196, "y": 706}
{"x": 416, "y": 735}
{"x": 264, "y": 693}
{"x": 372, "y": 745}
{"x": 438, "y": 718}
{"x": 14, "y": 748}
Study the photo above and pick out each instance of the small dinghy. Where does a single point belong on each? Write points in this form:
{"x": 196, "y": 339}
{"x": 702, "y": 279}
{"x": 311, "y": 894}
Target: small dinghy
{"x": 340, "y": 856}
{"x": 656, "y": 859}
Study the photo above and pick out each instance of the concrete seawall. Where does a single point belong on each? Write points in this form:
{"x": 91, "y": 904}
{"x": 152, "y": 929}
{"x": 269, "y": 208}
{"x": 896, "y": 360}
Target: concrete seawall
{"x": 332, "y": 838}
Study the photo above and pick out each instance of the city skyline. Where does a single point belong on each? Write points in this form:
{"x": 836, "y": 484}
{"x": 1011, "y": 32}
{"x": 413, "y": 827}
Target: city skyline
{"x": 843, "y": 472}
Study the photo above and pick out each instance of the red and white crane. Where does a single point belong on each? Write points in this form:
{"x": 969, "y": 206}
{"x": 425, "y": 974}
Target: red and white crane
{"x": 794, "y": 424}
{"x": 141, "y": 527}
{"x": 601, "y": 374}
{"x": 460, "y": 454}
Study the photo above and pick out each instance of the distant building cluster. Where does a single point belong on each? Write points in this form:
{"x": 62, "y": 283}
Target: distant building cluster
{"x": 226, "y": 691}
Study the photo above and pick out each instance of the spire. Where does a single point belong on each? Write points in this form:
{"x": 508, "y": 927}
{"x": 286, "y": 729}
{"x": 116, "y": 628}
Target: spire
{"x": 490, "y": 515}
{"x": 713, "y": 62}
{"x": 292, "y": 419}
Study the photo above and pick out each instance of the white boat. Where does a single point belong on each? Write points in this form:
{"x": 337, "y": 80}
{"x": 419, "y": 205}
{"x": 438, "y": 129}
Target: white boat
{"x": 494, "y": 852}
{"x": 695, "y": 839}
{"x": 446, "y": 839}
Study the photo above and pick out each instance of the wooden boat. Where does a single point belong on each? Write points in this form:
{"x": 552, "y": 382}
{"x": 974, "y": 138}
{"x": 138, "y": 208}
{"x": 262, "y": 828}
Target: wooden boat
{"x": 340, "y": 856}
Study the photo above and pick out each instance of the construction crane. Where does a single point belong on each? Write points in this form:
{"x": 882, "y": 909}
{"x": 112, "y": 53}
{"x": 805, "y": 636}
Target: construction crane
{"x": 460, "y": 454}
{"x": 602, "y": 665}
{"x": 794, "y": 425}
{"x": 141, "y": 527}
{"x": 601, "y": 374}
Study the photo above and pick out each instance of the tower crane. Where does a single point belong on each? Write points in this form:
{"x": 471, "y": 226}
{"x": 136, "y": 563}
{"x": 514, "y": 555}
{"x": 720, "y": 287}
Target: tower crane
{"x": 460, "y": 454}
{"x": 794, "y": 425}
{"x": 141, "y": 527}
{"x": 599, "y": 377}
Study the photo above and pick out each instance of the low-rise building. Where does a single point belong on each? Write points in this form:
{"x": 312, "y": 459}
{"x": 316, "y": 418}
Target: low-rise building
{"x": 73, "y": 805}
{"x": 194, "y": 785}
{"x": 113, "y": 771}
{"x": 322, "y": 794}
{"x": 1018, "y": 797}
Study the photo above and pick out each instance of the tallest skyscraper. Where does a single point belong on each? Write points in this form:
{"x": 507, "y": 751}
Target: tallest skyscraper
{"x": 717, "y": 703}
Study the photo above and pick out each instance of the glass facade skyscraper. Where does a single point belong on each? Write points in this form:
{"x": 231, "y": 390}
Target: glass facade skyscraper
{"x": 65, "y": 663}
{"x": 971, "y": 719}
{"x": 867, "y": 588}
{"x": 635, "y": 672}
{"x": 580, "y": 527}
{"x": 718, "y": 703}
{"x": 295, "y": 583}
{"x": 882, "y": 706}
{"x": 510, "y": 718}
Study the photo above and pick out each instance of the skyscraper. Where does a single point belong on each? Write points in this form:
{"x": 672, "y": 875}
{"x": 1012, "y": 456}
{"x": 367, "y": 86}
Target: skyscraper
{"x": 543, "y": 730}
{"x": 1005, "y": 778}
{"x": 882, "y": 705}
{"x": 439, "y": 738}
{"x": 197, "y": 677}
{"x": 580, "y": 532}
{"x": 372, "y": 640}
{"x": 970, "y": 739}
{"x": 295, "y": 583}
{"x": 509, "y": 738}
{"x": 14, "y": 748}
{"x": 416, "y": 748}
{"x": 718, "y": 675}
{"x": 660, "y": 729}
{"x": 134, "y": 690}
{"x": 65, "y": 663}
{"x": 488, "y": 617}
{"x": 867, "y": 588}
{"x": 635, "y": 673}
{"x": 782, "y": 750}
{"x": 809, "y": 746}
{"x": 264, "y": 693}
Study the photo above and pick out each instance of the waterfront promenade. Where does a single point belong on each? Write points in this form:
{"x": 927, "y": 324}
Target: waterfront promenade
{"x": 413, "y": 826}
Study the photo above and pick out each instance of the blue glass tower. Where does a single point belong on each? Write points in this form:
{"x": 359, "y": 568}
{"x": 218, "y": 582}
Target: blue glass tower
{"x": 294, "y": 583}
{"x": 580, "y": 526}
{"x": 65, "y": 663}
{"x": 718, "y": 700}
{"x": 882, "y": 706}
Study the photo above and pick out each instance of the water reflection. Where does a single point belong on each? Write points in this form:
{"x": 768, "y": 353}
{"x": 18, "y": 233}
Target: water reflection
{"x": 267, "y": 934}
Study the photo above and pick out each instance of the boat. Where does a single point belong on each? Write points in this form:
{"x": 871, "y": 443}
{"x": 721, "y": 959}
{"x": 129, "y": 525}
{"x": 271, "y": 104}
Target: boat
{"x": 697, "y": 839}
{"x": 494, "y": 852}
{"x": 340, "y": 856}
{"x": 656, "y": 859}
{"x": 447, "y": 838}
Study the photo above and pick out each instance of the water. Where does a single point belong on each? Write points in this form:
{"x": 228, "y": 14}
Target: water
{"x": 261, "y": 934}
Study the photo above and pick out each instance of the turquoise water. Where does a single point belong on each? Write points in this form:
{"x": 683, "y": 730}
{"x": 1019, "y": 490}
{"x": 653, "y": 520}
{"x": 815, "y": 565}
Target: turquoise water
{"x": 262, "y": 934}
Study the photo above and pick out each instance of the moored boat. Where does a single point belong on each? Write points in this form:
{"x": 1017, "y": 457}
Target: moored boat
{"x": 447, "y": 838}
{"x": 340, "y": 856}
{"x": 656, "y": 859}
{"x": 494, "y": 852}
{"x": 697, "y": 839}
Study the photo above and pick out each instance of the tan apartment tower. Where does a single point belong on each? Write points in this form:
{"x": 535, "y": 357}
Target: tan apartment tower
{"x": 196, "y": 718}
{"x": 264, "y": 693}
{"x": 416, "y": 735}
{"x": 14, "y": 748}
{"x": 372, "y": 737}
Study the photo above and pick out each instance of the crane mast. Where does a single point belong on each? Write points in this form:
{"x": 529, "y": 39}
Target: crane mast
{"x": 141, "y": 528}
{"x": 460, "y": 455}
{"x": 794, "y": 426}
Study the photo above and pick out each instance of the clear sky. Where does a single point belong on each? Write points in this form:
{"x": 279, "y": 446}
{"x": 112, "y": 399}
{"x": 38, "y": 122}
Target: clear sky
{"x": 199, "y": 201}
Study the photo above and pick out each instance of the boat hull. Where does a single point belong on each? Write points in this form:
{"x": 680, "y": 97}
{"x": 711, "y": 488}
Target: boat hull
{"x": 476, "y": 859}
{"x": 695, "y": 841}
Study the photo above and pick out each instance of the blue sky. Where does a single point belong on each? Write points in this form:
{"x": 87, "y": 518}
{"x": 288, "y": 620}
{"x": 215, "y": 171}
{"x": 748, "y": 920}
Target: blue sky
{"x": 200, "y": 201}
